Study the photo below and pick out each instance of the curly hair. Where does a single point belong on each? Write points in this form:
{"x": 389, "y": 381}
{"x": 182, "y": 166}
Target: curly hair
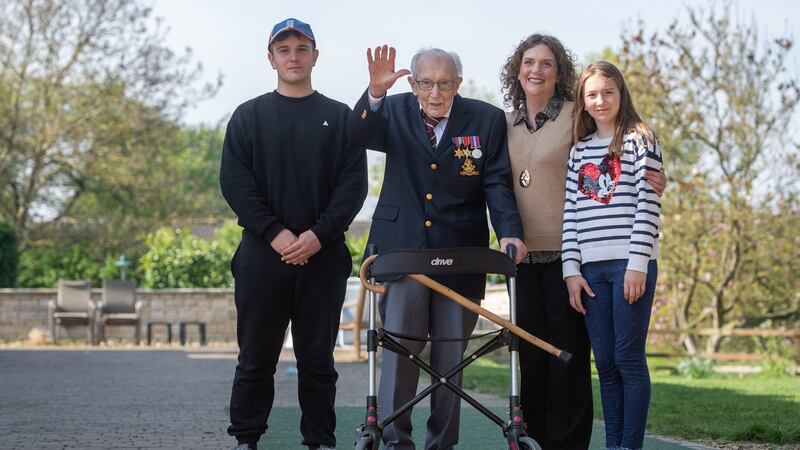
{"x": 514, "y": 96}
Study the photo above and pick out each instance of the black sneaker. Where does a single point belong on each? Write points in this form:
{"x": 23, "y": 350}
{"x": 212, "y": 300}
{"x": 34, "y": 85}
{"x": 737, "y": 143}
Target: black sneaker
{"x": 246, "y": 446}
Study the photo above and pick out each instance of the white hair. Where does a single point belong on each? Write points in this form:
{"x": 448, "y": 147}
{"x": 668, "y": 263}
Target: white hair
{"x": 452, "y": 57}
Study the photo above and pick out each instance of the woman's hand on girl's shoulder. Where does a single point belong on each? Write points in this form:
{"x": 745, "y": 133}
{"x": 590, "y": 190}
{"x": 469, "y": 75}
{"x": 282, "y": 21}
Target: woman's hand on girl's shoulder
{"x": 576, "y": 284}
{"x": 657, "y": 179}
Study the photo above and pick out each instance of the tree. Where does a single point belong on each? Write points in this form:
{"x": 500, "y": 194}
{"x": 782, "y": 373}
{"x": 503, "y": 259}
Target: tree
{"x": 9, "y": 256}
{"x": 144, "y": 191}
{"x": 470, "y": 89}
{"x": 197, "y": 160}
{"x": 87, "y": 91}
{"x": 720, "y": 97}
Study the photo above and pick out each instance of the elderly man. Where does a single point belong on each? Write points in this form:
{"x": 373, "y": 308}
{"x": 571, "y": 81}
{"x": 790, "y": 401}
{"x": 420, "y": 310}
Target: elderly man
{"x": 446, "y": 160}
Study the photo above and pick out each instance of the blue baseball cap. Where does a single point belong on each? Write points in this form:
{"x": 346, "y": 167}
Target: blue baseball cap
{"x": 292, "y": 25}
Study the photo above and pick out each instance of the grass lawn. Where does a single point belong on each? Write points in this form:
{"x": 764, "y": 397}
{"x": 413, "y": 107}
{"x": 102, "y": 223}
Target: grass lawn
{"x": 754, "y": 408}
{"x": 476, "y": 432}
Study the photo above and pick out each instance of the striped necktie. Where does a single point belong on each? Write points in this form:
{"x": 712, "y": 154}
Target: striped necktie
{"x": 430, "y": 124}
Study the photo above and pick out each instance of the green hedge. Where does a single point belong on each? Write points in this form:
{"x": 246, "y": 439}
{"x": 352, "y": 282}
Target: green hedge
{"x": 356, "y": 245}
{"x": 44, "y": 266}
{"x": 177, "y": 259}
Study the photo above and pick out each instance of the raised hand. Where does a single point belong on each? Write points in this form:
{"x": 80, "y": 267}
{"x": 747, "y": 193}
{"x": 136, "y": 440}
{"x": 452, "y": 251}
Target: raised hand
{"x": 382, "y": 75}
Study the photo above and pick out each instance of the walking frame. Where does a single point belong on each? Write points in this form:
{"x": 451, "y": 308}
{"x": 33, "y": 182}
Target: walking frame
{"x": 418, "y": 265}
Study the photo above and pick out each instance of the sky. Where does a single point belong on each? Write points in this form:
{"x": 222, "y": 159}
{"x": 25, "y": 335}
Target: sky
{"x": 230, "y": 37}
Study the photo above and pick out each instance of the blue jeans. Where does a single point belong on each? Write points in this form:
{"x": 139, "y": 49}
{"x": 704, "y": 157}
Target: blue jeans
{"x": 618, "y": 333}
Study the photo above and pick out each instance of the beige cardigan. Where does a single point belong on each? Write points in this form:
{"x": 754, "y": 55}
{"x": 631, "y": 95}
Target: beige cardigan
{"x": 544, "y": 154}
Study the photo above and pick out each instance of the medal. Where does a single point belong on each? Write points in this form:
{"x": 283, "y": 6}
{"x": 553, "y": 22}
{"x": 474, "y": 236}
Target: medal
{"x": 463, "y": 150}
{"x": 476, "y": 152}
{"x": 468, "y": 169}
{"x": 525, "y": 178}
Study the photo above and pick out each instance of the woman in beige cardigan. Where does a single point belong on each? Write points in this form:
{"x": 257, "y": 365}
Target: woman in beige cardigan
{"x": 538, "y": 81}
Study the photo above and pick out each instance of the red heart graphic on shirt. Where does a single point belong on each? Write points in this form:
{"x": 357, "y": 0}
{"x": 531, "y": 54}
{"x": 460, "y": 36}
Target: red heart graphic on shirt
{"x": 600, "y": 182}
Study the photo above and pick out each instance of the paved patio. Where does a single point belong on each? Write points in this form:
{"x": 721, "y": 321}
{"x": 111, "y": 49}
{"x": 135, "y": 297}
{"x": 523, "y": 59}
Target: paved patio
{"x": 91, "y": 398}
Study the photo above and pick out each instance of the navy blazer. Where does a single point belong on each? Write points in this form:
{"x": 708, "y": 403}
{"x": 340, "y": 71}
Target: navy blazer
{"x": 426, "y": 200}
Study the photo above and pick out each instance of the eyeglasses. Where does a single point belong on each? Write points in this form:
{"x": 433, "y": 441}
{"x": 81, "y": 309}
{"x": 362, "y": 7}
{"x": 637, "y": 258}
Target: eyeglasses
{"x": 427, "y": 85}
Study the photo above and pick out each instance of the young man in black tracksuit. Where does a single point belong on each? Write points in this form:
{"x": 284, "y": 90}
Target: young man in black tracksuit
{"x": 295, "y": 181}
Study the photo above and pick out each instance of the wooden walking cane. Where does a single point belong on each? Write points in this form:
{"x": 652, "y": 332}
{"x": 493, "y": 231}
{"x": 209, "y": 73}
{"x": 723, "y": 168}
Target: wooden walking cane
{"x": 466, "y": 303}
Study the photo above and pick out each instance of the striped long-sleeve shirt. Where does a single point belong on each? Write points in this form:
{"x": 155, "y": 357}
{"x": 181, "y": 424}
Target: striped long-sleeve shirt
{"x": 610, "y": 212}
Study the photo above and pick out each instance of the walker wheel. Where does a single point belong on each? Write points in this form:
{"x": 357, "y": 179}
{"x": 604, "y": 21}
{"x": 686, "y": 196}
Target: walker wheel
{"x": 365, "y": 443}
{"x": 527, "y": 443}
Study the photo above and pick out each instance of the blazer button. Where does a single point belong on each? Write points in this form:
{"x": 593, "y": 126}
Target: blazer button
{"x": 428, "y": 223}
{"x": 434, "y": 166}
{"x": 429, "y": 196}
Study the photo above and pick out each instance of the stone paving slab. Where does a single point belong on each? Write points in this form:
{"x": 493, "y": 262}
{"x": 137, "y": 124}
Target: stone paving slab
{"x": 137, "y": 398}
{"x": 87, "y": 398}
{"x": 112, "y": 399}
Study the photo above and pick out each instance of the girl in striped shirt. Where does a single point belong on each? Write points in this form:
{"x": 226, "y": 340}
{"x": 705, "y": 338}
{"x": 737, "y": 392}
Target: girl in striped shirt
{"x": 610, "y": 244}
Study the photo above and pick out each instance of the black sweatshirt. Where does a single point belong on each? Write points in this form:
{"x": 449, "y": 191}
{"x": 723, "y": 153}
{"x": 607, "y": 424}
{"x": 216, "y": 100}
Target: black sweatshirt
{"x": 288, "y": 163}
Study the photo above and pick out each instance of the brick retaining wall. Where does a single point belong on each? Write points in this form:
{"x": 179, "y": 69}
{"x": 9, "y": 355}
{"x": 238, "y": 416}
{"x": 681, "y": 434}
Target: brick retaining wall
{"x": 24, "y": 309}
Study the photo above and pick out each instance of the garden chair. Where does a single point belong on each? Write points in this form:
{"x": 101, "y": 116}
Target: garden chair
{"x": 119, "y": 307}
{"x": 73, "y": 306}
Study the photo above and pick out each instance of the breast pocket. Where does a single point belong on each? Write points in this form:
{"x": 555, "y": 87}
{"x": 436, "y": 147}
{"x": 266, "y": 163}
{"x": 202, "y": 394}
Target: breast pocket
{"x": 385, "y": 213}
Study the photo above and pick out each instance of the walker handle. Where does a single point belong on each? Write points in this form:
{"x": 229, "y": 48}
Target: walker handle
{"x": 511, "y": 251}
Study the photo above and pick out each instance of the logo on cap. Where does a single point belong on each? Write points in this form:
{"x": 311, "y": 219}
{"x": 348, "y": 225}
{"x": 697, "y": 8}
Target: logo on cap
{"x": 292, "y": 24}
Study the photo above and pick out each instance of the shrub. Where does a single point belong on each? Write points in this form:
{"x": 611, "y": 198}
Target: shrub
{"x": 778, "y": 367}
{"x": 44, "y": 266}
{"x": 696, "y": 367}
{"x": 356, "y": 245}
{"x": 177, "y": 259}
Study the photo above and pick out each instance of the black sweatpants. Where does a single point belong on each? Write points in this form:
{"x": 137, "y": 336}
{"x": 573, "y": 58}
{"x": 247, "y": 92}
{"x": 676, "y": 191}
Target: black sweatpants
{"x": 556, "y": 397}
{"x": 269, "y": 293}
